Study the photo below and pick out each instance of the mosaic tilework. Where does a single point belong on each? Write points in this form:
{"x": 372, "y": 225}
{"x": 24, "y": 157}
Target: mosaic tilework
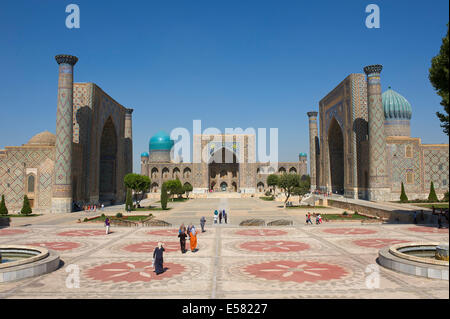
{"x": 436, "y": 167}
{"x": 13, "y": 172}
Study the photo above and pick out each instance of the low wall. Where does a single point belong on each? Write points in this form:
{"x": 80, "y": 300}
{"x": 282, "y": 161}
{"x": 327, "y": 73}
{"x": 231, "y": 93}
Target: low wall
{"x": 393, "y": 216}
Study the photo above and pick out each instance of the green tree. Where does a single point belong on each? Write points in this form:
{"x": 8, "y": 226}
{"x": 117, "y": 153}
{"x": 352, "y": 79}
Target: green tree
{"x": 445, "y": 199}
{"x": 403, "y": 197}
{"x": 273, "y": 180}
{"x": 432, "y": 197}
{"x": 140, "y": 184}
{"x": 187, "y": 189}
{"x": 173, "y": 187}
{"x": 3, "y": 209}
{"x": 129, "y": 201}
{"x": 164, "y": 196}
{"x": 287, "y": 183}
{"x": 26, "y": 208}
{"x": 439, "y": 79}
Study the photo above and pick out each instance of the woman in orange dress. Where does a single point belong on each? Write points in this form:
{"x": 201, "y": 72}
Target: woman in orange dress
{"x": 193, "y": 239}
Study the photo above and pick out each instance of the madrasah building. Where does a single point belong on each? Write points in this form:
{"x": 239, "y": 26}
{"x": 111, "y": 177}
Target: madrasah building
{"x": 221, "y": 163}
{"x": 85, "y": 162}
{"x": 363, "y": 148}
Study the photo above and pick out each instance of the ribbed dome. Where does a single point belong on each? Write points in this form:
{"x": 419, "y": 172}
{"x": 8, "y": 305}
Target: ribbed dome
{"x": 161, "y": 141}
{"x": 43, "y": 138}
{"x": 302, "y": 154}
{"x": 395, "y": 106}
{"x": 144, "y": 154}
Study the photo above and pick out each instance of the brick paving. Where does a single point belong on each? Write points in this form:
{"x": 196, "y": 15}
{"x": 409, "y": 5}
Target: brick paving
{"x": 332, "y": 260}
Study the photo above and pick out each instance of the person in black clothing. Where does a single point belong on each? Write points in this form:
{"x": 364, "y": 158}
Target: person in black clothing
{"x": 220, "y": 216}
{"x": 158, "y": 259}
{"x": 182, "y": 235}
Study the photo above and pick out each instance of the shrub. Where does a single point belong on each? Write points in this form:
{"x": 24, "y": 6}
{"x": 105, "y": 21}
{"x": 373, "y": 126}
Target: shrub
{"x": 26, "y": 208}
{"x": 129, "y": 200}
{"x": 403, "y": 197}
{"x": 119, "y": 215}
{"x": 345, "y": 213}
{"x": 3, "y": 209}
{"x": 445, "y": 199}
{"x": 103, "y": 215}
{"x": 85, "y": 219}
{"x": 432, "y": 197}
{"x": 164, "y": 196}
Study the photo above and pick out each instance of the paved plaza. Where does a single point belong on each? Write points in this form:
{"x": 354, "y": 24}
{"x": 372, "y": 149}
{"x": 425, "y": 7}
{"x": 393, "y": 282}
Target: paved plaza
{"x": 332, "y": 260}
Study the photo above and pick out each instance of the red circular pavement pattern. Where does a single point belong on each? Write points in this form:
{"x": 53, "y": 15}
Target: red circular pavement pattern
{"x": 83, "y": 233}
{"x": 132, "y": 271}
{"x": 164, "y": 232}
{"x": 296, "y": 271}
{"x": 261, "y": 232}
{"x": 7, "y": 232}
{"x": 349, "y": 231}
{"x": 432, "y": 230}
{"x": 378, "y": 242}
{"x": 275, "y": 246}
{"x": 149, "y": 247}
{"x": 57, "y": 245}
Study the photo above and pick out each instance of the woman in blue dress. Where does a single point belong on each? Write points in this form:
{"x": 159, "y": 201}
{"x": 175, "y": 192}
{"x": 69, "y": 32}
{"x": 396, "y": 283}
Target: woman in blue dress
{"x": 158, "y": 259}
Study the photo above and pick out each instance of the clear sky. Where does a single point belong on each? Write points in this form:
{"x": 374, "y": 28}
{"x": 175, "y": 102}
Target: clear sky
{"x": 234, "y": 63}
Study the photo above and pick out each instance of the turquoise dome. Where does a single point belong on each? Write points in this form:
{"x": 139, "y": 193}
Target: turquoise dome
{"x": 302, "y": 154}
{"x": 144, "y": 154}
{"x": 395, "y": 106}
{"x": 160, "y": 141}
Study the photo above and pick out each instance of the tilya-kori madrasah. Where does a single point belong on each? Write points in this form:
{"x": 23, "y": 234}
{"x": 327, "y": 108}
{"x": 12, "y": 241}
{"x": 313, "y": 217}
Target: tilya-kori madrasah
{"x": 364, "y": 150}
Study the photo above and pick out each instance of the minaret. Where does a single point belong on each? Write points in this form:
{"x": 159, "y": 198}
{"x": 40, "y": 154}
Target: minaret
{"x": 129, "y": 140}
{"x": 377, "y": 142}
{"x": 62, "y": 180}
{"x": 312, "y": 149}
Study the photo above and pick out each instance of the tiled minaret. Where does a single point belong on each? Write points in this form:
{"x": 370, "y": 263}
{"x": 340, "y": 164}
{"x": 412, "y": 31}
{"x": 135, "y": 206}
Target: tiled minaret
{"x": 377, "y": 142}
{"x": 62, "y": 180}
{"x": 312, "y": 148}
{"x": 128, "y": 140}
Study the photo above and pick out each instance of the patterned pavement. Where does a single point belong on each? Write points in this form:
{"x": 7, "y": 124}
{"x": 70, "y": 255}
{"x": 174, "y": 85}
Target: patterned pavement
{"x": 332, "y": 260}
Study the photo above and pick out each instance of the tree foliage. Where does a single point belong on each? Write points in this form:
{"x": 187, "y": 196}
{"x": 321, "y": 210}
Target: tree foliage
{"x": 187, "y": 189}
{"x": 164, "y": 196}
{"x": 432, "y": 197}
{"x": 140, "y": 184}
{"x": 403, "y": 197}
{"x": 3, "y": 209}
{"x": 129, "y": 201}
{"x": 273, "y": 180}
{"x": 439, "y": 79}
{"x": 174, "y": 187}
{"x": 26, "y": 208}
{"x": 287, "y": 183}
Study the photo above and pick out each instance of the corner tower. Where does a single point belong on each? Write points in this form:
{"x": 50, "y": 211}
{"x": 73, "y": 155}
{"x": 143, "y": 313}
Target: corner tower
{"x": 313, "y": 146}
{"x": 377, "y": 188}
{"x": 62, "y": 179}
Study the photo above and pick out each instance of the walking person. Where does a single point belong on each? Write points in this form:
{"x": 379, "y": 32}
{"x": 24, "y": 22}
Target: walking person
{"x": 320, "y": 219}
{"x": 107, "y": 224}
{"x": 216, "y": 213}
{"x": 193, "y": 239}
{"x": 182, "y": 235}
{"x": 220, "y": 216}
{"x": 202, "y": 223}
{"x": 158, "y": 258}
{"x": 225, "y": 217}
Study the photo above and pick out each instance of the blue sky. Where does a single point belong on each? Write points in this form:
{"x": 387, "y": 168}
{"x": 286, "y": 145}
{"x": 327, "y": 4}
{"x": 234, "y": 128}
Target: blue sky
{"x": 228, "y": 63}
